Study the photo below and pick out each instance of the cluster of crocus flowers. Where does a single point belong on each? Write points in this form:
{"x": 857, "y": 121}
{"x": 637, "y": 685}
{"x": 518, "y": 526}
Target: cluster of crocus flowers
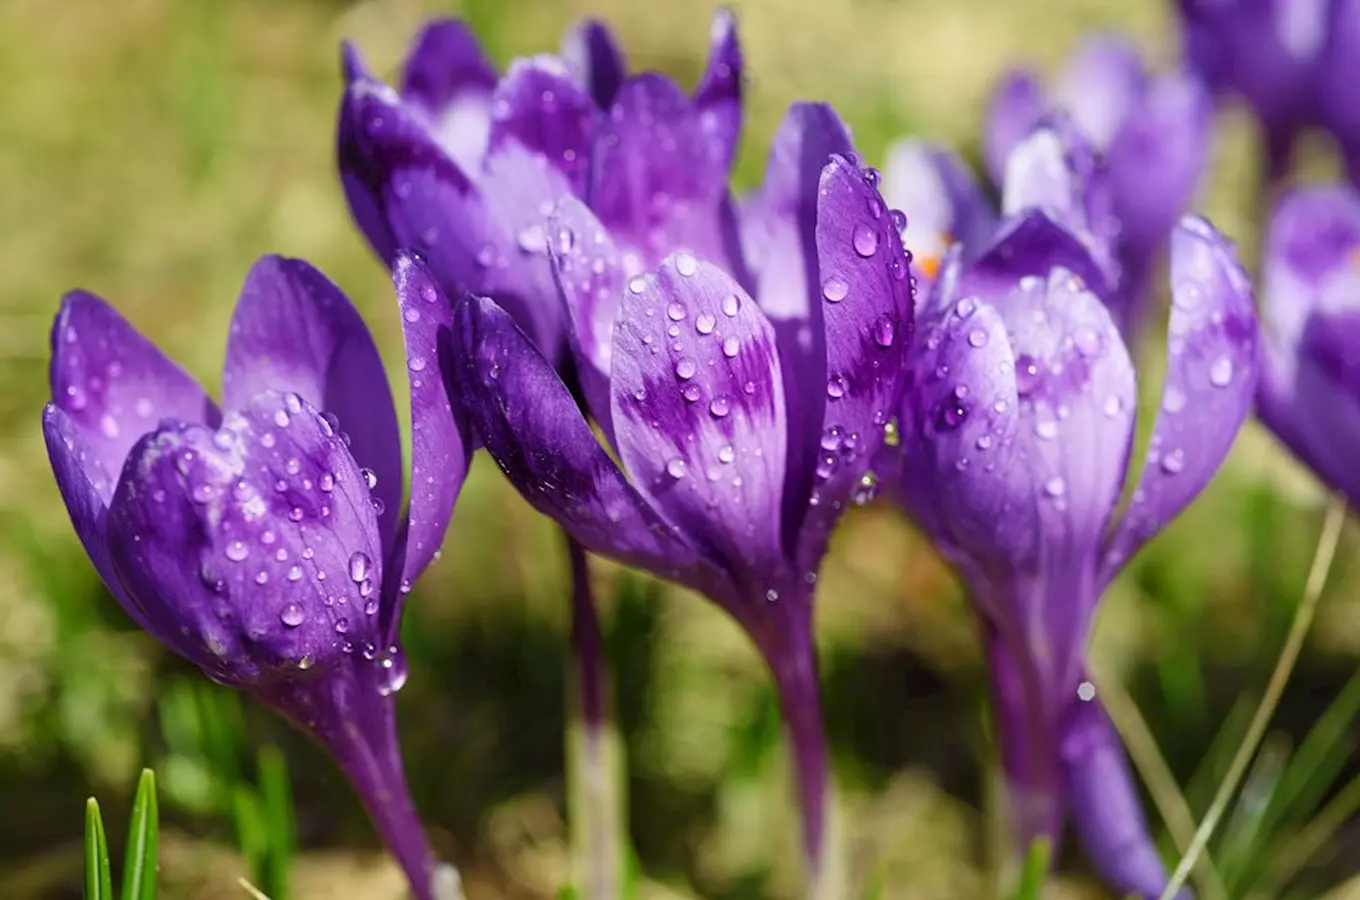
{"x": 265, "y": 541}
{"x": 1016, "y": 430}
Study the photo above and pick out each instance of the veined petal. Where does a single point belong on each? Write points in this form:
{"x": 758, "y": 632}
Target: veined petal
{"x": 1103, "y": 81}
{"x": 654, "y": 183}
{"x": 868, "y": 315}
{"x": 943, "y": 203}
{"x": 590, "y": 275}
{"x": 113, "y": 383}
{"x": 595, "y": 59}
{"x": 1017, "y": 105}
{"x": 252, "y": 550}
{"x": 538, "y": 105}
{"x": 533, "y": 428}
{"x": 450, "y": 79}
{"x": 718, "y": 97}
{"x": 439, "y": 442}
{"x": 1212, "y": 370}
{"x": 699, "y": 413}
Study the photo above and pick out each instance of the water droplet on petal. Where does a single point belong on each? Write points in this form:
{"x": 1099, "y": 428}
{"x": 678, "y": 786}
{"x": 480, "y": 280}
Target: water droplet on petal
{"x": 1026, "y": 374}
{"x": 291, "y": 616}
{"x": 977, "y": 338}
{"x": 1221, "y": 372}
{"x": 1173, "y": 461}
{"x": 691, "y": 393}
{"x": 685, "y": 368}
{"x": 727, "y": 454}
{"x": 675, "y": 311}
{"x": 866, "y": 489}
{"x": 836, "y": 387}
{"x": 370, "y": 478}
{"x": 771, "y": 595}
{"x": 637, "y": 284}
{"x": 885, "y": 330}
{"x": 281, "y": 418}
{"x": 865, "y": 240}
{"x": 295, "y": 573}
{"x": 705, "y": 323}
{"x": 835, "y": 289}
{"x": 718, "y": 407}
{"x": 731, "y": 346}
{"x": 1055, "y": 486}
{"x": 675, "y": 467}
{"x": 237, "y": 551}
{"x": 1173, "y": 400}
{"x": 730, "y": 305}
{"x": 359, "y": 565}
{"x": 685, "y": 264}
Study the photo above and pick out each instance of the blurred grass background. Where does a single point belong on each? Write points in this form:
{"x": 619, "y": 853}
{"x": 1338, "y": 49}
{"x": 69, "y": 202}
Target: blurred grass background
{"x": 150, "y": 150}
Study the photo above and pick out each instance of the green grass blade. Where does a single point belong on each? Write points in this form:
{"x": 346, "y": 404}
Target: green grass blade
{"x": 276, "y": 801}
{"x": 141, "y": 861}
{"x": 1035, "y": 871}
{"x": 98, "y": 878}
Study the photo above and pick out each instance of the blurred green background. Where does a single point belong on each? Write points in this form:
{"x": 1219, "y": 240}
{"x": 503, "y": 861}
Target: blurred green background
{"x": 150, "y": 150}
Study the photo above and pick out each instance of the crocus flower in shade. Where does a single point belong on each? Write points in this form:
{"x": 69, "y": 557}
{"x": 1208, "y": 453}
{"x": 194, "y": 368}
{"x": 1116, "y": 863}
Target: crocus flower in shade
{"x": 1265, "y": 52}
{"x": 1017, "y": 425}
{"x": 264, "y": 542}
{"x": 743, "y": 429}
{"x": 1311, "y": 302}
{"x": 1152, "y": 133}
{"x": 464, "y": 165}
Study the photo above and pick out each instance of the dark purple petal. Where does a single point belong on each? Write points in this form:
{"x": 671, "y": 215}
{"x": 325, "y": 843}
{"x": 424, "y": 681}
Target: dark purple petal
{"x": 654, "y": 183}
{"x": 595, "y": 59}
{"x": 439, "y": 448}
{"x": 1338, "y": 71}
{"x": 293, "y": 330}
{"x": 1016, "y": 106}
{"x": 1106, "y": 808}
{"x": 698, "y": 411}
{"x": 252, "y": 550}
{"x": 450, "y": 80}
{"x": 1102, "y": 83}
{"x": 590, "y": 276}
{"x": 943, "y": 203}
{"x": 718, "y": 97}
{"x": 113, "y": 383}
{"x": 530, "y": 424}
{"x": 1212, "y": 370}
{"x": 779, "y": 234}
{"x": 538, "y": 105}
{"x": 868, "y": 315}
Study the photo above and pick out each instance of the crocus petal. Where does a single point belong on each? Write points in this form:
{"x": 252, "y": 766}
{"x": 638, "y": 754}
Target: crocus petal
{"x": 595, "y": 59}
{"x": 539, "y": 105}
{"x": 779, "y": 233}
{"x": 1101, "y": 83}
{"x": 590, "y": 276}
{"x": 1212, "y": 369}
{"x": 293, "y": 330}
{"x": 943, "y": 202}
{"x": 698, "y": 410}
{"x": 530, "y": 424}
{"x": 1016, "y": 106}
{"x": 252, "y": 550}
{"x": 867, "y": 313}
{"x": 718, "y": 97}
{"x": 450, "y": 79}
{"x": 439, "y": 449}
{"x": 113, "y": 383}
{"x": 654, "y": 183}
{"x": 1106, "y": 808}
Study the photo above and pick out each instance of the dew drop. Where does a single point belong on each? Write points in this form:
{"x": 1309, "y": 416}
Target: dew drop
{"x": 1173, "y": 401}
{"x": 691, "y": 393}
{"x": 637, "y": 284}
{"x": 719, "y": 407}
{"x": 866, "y": 489}
{"x": 1113, "y": 406}
{"x": 359, "y": 566}
{"x": 533, "y": 240}
{"x": 237, "y": 551}
{"x": 731, "y": 305}
{"x": 705, "y": 323}
{"x": 675, "y": 467}
{"x": 1174, "y": 461}
{"x": 281, "y": 418}
{"x": 291, "y": 616}
{"x": 1046, "y": 429}
{"x": 685, "y": 368}
{"x": 836, "y": 387}
{"x": 977, "y": 338}
{"x": 685, "y": 264}
{"x": 892, "y": 434}
{"x": 417, "y": 363}
{"x": 1026, "y": 374}
{"x": 675, "y": 311}
{"x": 726, "y": 454}
{"x": 1221, "y": 372}
{"x": 295, "y": 573}
{"x": 771, "y": 595}
{"x": 885, "y": 330}
{"x": 731, "y": 346}
{"x": 411, "y": 314}
{"x": 835, "y": 289}
{"x": 1055, "y": 486}
{"x": 370, "y": 478}
{"x": 865, "y": 240}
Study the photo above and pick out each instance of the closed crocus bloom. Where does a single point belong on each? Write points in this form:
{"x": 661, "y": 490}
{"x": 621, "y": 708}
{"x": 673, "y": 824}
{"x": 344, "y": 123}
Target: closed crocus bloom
{"x": 1311, "y": 302}
{"x": 743, "y": 429}
{"x": 1338, "y": 71}
{"x": 1266, "y": 52}
{"x": 264, "y": 542}
{"x": 1151, "y": 133}
{"x": 1017, "y": 426}
{"x": 464, "y": 165}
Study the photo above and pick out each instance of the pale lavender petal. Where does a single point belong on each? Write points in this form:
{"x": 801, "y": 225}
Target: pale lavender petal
{"x": 113, "y": 383}
{"x": 1212, "y": 371}
{"x": 1103, "y": 81}
{"x": 595, "y": 59}
{"x": 294, "y": 330}
{"x": 698, "y": 411}
{"x": 539, "y": 106}
{"x": 450, "y": 80}
{"x": 590, "y": 277}
{"x": 252, "y": 550}
{"x": 718, "y": 97}
{"x": 867, "y": 316}
{"x": 530, "y": 424}
{"x": 1017, "y": 105}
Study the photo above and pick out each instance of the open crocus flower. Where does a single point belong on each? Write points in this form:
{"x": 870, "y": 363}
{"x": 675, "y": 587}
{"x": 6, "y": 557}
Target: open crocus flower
{"x": 464, "y": 166}
{"x": 1311, "y": 303}
{"x": 742, "y": 429}
{"x": 1267, "y": 52}
{"x": 1151, "y": 132}
{"x": 1017, "y": 424}
{"x": 264, "y": 543}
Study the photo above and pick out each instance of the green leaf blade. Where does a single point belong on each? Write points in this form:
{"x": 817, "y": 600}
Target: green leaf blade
{"x": 139, "y": 870}
{"x": 98, "y": 876}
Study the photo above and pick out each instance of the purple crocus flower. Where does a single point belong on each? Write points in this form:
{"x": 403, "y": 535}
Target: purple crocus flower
{"x": 1266, "y": 52}
{"x": 1311, "y": 287}
{"x": 1151, "y": 133}
{"x": 742, "y": 429}
{"x": 1338, "y": 107}
{"x": 1016, "y": 429}
{"x": 264, "y": 543}
{"x": 464, "y": 165}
